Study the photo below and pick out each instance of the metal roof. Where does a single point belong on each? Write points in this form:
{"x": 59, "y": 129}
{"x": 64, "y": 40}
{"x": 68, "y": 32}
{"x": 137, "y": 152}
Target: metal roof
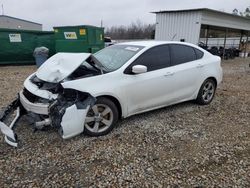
{"x": 25, "y": 30}
{"x": 74, "y": 26}
{"x": 4, "y": 16}
{"x": 203, "y": 9}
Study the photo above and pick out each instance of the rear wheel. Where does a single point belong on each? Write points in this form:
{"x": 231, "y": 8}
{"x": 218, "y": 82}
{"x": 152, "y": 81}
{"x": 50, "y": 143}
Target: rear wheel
{"x": 206, "y": 92}
{"x": 101, "y": 118}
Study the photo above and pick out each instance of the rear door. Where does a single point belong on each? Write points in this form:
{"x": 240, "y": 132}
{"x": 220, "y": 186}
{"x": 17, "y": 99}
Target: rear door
{"x": 187, "y": 66}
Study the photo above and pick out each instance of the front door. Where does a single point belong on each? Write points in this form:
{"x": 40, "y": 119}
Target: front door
{"x": 153, "y": 88}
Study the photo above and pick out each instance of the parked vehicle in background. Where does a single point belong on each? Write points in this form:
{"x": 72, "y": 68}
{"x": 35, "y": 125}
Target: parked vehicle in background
{"x": 90, "y": 93}
{"x": 108, "y": 41}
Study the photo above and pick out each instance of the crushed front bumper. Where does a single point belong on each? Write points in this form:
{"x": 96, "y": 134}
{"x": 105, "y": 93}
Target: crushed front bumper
{"x": 37, "y": 108}
{"x": 19, "y": 106}
{"x": 9, "y": 135}
{"x": 71, "y": 118}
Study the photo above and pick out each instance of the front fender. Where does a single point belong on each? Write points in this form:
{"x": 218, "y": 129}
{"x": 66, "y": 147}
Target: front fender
{"x": 97, "y": 92}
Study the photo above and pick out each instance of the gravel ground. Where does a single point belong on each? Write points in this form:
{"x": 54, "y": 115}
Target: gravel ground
{"x": 184, "y": 145}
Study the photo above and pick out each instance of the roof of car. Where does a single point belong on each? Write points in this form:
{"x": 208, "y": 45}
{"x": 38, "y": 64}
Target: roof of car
{"x": 150, "y": 43}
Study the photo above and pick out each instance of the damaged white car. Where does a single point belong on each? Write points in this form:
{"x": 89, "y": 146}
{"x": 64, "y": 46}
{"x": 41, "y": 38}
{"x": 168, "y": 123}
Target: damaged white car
{"x": 80, "y": 92}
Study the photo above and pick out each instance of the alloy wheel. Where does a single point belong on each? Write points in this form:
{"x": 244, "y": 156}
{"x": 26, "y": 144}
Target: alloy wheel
{"x": 99, "y": 118}
{"x": 208, "y": 91}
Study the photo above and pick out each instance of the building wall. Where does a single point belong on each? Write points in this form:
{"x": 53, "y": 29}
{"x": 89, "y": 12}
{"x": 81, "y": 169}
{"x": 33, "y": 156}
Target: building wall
{"x": 12, "y": 23}
{"x": 175, "y": 26}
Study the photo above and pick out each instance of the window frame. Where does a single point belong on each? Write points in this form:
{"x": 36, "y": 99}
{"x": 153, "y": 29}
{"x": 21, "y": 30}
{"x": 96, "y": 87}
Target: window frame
{"x": 128, "y": 69}
{"x": 194, "y": 49}
{"x": 171, "y": 54}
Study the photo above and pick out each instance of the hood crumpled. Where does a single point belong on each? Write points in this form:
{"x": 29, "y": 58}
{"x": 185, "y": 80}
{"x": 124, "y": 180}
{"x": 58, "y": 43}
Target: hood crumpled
{"x": 60, "y": 66}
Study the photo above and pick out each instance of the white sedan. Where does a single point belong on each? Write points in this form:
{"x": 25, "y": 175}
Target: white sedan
{"x": 80, "y": 92}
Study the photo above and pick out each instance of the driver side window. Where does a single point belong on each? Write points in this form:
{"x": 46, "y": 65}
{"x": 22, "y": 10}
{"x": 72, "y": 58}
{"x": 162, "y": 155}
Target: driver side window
{"x": 155, "y": 58}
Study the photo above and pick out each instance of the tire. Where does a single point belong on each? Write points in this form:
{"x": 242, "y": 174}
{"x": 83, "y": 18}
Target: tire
{"x": 206, "y": 92}
{"x": 101, "y": 118}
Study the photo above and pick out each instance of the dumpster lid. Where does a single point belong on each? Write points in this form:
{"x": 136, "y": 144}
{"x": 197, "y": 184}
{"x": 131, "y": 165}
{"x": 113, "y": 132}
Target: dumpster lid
{"x": 60, "y": 65}
{"x": 77, "y": 26}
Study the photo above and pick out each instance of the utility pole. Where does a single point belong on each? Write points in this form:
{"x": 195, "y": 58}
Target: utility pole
{"x": 101, "y": 23}
{"x": 2, "y": 10}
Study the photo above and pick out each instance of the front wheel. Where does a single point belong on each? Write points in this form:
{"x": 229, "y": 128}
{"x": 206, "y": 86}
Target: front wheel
{"x": 206, "y": 92}
{"x": 101, "y": 118}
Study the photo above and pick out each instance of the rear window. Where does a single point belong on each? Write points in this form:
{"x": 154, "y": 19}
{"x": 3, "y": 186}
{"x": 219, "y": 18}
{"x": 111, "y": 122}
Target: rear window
{"x": 199, "y": 54}
{"x": 107, "y": 40}
{"x": 182, "y": 54}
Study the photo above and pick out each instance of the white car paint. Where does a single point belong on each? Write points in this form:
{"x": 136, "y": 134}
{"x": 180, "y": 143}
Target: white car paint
{"x": 144, "y": 92}
{"x": 59, "y": 66}
{"x": 136, "y": 93}
{"x": 7, "y": 130}
{"x": 69, "y": 118}
{"x": 34, "y": 89}
{"x": 38, "y": 108}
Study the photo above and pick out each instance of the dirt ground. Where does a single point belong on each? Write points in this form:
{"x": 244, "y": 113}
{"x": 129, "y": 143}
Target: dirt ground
{"x": 185, "y": 145}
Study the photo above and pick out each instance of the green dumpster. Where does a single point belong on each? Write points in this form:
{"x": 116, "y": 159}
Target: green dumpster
{"x": 82, "y": 38}
{"x": 17, "y": 46}
{"x": 46, "y": 39}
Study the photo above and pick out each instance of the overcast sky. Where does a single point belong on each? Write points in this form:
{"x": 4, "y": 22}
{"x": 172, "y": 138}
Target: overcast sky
{"x": 113, "y": 12}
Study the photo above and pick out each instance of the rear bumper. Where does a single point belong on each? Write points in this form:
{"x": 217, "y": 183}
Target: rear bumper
{"x": 220, "y": 75}
{"x": 37, "y": 108}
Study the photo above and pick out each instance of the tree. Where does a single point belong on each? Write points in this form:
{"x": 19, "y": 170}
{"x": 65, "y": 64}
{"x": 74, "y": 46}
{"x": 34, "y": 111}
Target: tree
{"x": 235, "y": 11}
{"x": 246, "y": 13}
{"x": 136, "y": 30}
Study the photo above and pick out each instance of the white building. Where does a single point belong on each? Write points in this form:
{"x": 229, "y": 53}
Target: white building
{"x": 9, "y": 22}
{"x": 186, "y": 25}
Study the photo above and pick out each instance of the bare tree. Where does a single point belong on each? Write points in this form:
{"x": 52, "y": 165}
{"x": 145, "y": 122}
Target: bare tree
{"x": 136, "y": 30}
{"x": 246, "y": 13}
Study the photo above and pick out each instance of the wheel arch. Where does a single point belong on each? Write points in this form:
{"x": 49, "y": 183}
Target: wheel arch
{"x": 198, "y": 88}
{"x": 116, "y": 101}
{"x": 214, "y": 79}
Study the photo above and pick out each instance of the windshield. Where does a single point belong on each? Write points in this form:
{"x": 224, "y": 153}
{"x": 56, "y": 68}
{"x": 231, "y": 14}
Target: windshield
{"x": 113, "y": 57}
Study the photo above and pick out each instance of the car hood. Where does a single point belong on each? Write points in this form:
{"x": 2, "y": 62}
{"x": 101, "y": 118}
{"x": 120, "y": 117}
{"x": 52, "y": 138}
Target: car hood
{"x": 60, "y": 66}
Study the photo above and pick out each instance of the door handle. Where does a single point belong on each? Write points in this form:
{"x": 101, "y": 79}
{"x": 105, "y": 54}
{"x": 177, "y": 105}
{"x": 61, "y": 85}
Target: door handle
{"x": 200, "y": 66}
{"x": 169, "y": 74}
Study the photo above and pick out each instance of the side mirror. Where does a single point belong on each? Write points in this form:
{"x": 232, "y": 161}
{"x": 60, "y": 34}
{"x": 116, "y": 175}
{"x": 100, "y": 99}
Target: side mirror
{"x": 138, "y": 69}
